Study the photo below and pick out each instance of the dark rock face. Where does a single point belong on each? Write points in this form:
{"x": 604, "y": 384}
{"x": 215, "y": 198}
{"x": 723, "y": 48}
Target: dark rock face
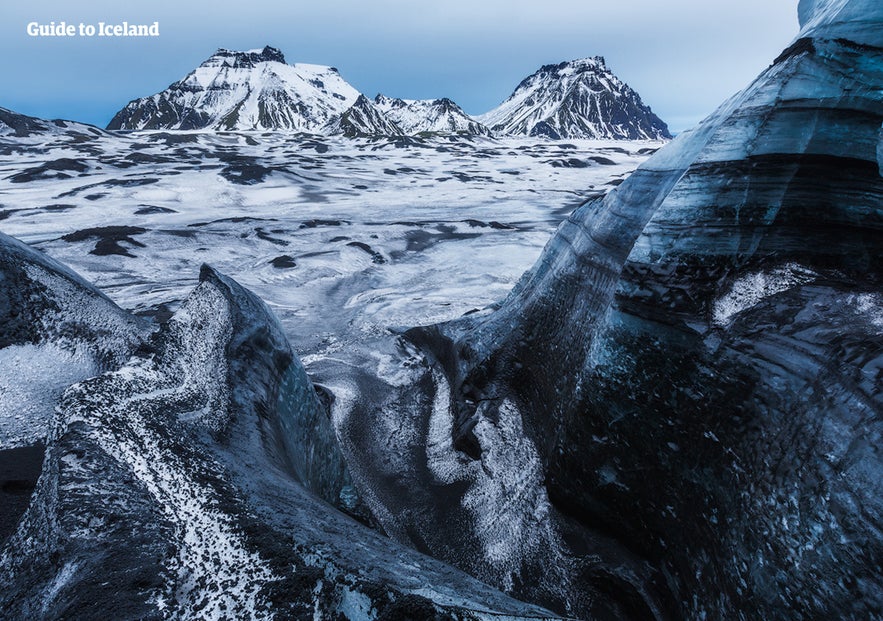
{"x": 576, "y": 99}
{"x": 250, "y": 59}
{"x": 56, "y": 169}
{"x": 19, "y": 469}
{"x": 108, "y": 239}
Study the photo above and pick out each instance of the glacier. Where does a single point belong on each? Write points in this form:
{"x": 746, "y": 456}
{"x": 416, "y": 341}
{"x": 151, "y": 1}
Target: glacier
{"x": 172, "y": 490}
{"x": 675, "y": 413}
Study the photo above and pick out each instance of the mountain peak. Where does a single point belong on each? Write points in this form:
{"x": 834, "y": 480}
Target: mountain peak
{"x": 244, "y": 90}
{"x": 247, "y": 58}
{"x": 590, "y": 62}
{"x": 363, "y": 118}
{"x": 579, "y": 98}
{"x": 579, "y": 66}
{"x": 429, "y": 116}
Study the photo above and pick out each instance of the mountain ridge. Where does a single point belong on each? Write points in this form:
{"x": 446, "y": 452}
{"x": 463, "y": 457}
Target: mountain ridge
{"x": 256, "y": 90}
{"x": 441, "y": 115}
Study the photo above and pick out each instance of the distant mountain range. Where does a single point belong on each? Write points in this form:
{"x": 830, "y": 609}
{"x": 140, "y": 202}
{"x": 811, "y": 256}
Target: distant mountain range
{"x": 258, "y": 90}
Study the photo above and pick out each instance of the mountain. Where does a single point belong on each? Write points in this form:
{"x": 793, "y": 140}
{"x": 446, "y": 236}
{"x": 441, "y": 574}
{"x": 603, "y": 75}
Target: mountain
{"x": 20, "y": 125}
{"x": 576, "y": 99}
{"x": 257, "y": 90}
{"x": 437, "y": 116}
{"x": 252, "y": 90}
{"x": 363, "y": 118}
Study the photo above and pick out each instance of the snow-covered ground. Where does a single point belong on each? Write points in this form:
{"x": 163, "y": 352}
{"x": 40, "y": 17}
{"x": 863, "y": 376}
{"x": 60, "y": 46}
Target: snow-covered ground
{"x": 341, "y": 237}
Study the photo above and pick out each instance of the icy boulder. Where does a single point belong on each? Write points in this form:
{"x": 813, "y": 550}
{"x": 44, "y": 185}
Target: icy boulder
{"x": 268, "y": 384}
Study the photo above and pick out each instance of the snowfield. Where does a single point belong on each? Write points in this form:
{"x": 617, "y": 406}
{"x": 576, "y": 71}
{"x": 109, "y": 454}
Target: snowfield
{"x": 343, "y": 237}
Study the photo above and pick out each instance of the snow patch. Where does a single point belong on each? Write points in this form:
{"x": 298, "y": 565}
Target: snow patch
{"x": 506, "y": 498}
{"x": 869, "y": 306}
{"x": 751, "y": 289}
{"x": 32, "y": 378}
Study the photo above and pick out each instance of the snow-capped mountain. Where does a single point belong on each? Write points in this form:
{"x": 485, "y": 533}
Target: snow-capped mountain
{"x": 248, "y": 90}
{"x": 363, "y": 118}
{"x": 577, "y": 99}
{"x": 437, "y": 116}
{"x": 257, "y": 90}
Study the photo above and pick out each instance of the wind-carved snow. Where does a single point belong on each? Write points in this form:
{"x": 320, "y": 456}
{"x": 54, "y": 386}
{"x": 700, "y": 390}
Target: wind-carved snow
{"x": 214, "y": 574}
{"x": 750, "y": 289}
{"x": 506, "y": 497}
{"x": 74, "y": 308}
{"x": 80, "y": 333}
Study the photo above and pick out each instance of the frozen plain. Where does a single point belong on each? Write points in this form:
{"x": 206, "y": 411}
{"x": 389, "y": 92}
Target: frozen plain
{"x": 343, "y": 238}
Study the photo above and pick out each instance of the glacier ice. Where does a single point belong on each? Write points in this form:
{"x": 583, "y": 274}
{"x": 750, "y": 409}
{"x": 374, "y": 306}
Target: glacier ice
{"x": 689, "y": 358}
{"x": 168, "y": 491}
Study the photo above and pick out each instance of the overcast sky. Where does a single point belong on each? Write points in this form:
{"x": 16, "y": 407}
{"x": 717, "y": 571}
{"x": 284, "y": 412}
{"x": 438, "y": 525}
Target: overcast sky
{"x": 684, "y": 57}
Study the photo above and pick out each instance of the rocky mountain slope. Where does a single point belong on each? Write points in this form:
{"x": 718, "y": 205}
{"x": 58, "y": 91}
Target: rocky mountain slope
{"x": 576, "y": 99}
{"x": 16, "y": 125}
{"x": 363, "y": 118}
